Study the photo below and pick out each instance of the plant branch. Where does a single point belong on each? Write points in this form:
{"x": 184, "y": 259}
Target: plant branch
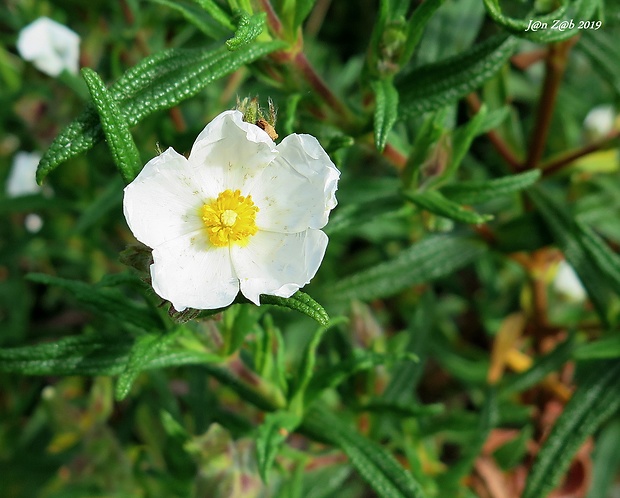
{"x": 558, "y": 163}
{"x": 303, "y": 65}
{"x": 273, "y": 21}
{"x": 555, "y": 63}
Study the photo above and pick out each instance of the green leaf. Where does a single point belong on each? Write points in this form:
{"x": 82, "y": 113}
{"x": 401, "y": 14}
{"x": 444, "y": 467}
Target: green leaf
{"x": 248, "y": 28}
{"x": 362, "y": 360}
{"x": 157, "y": 82}
{"x": 415, "y": 27}
{"x": 543, "y": 366}
{"x": 301, "y": 302}
{"x": 213, "y": 28}
{"x": 574, "y": 10}
{"x": 354, "y": 215}
{"x": 606, "y": 348}
{"x": 302, "y": 10}
{"x": 270, "y": 437}
{"x": 216, "y": 12}
{"x": 436, "y": 85}
{"x": 374, "y": 464}
{"x": 431, "y": 258}
{"x": 602, "y": 255}
{"x": 462, "y": 139}
{"x": 90, "y": 354}
{"x": 473, "y": 192}
{"x": 117, "y": 134}
{"x": 486, "y": 421}
{"x": 571, "y": 239}
{"x": 435, "y": 202}
{"x": 109, "y": 302}
{"x": 601, "y": 48}
{"x": 386, "y": 110}
{"x": 79, "y": 355}
{"x": 596, "y": 399}
{"x": 142, "y": 352}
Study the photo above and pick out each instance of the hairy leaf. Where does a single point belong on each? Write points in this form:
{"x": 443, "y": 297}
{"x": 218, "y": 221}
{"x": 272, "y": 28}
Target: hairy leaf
{"x": 376, "y": 466}
{"x": 301, "y": 302}
{"x": 215, "y": 28}
{"x": 572, "y": 240}
{"x": 574, "y": 10}
{"x": 157, "y": 82}
{"x": 436, "y": 85}
{"x": 270, "y": 436}
{"x": 435, "y": 202}
{"x": 248, "y": 28}
{"x": 117, "y": 134}
{"x": 386, "y": 110}
{"x": 109, "y": 302}
{"x": 472, "y": 192}
{"x": 431, "y": 258}
{"x": 595, "y": 400}
{"x": 415, "y": 27}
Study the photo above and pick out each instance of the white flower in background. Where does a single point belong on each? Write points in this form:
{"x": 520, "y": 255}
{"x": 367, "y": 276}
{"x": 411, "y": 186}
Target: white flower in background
{"x": 600, "y": 120}
{"x": 50, "y": 46}
{"x": 22, "y": 177}
{"x": 240, "y": 214}
{"x": 567, "y": 283}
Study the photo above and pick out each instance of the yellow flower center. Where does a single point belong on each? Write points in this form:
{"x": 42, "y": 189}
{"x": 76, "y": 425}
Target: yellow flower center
{"x": 231, "y": 218}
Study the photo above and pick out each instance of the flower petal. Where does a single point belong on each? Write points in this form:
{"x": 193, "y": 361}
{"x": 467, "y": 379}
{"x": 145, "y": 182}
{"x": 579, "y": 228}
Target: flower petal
{"x": 298, "y": 189}
{"x": 278, "y": 264}
{"x": 229, "y": 153}
{"x": 164, "y": 200}
{"x": 50, "y": 46}
{"x": 22, "y": 178}
{"x": 191, "y": 273}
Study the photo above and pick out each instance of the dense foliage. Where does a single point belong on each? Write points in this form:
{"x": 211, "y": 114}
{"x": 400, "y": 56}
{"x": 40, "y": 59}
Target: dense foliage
{"x": 437, "y": 352}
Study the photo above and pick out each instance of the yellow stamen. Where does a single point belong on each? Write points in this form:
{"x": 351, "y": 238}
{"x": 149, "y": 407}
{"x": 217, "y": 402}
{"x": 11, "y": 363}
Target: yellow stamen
{"x": 230, "y": 219}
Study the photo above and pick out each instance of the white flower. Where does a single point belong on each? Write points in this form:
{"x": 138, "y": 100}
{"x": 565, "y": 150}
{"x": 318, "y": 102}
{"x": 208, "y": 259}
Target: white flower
{"x": 241, "y": 213}
{"x": 600, "y": 120}
{"x": 50, "y": 46}
{"x": 22, "y": 177}
{"x": 567, "y": 283}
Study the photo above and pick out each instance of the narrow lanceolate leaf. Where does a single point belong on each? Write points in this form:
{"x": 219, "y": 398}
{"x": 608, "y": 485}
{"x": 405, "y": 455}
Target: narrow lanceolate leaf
{"x": 605, "y": 258}
{"x": 270, "y": 437}
{"x": 571, "y": 240}
{"x": 462, "y": 139}
{"x": 158, "y": 82}
{"x": 545, "y": 29}
{"x": 601, "y": 49}
{"x": 142, "y": 352}
{"x": 415, "y": 27}
{"x": 436, "y": 85}
{"x": 595, "y": 400}
{"x": 121, "y": 144}
{"x": 371, "y": 460}
{"x": 386, "y": 110}
{"x": 473, "y": 192}
{"x": 434, "y": 202}
{"x": 216, "y": 12}
{"x": 249, "y": 27}
{"x": 202, "y": 20}
{"x": 109, "y": 302}
{"x": 302, "y": 10}
{"x": 301, "y": 302}
{"x": 361, "y": 360}
{"x": 432, "y": 258}
{"x": 91, "y": 354}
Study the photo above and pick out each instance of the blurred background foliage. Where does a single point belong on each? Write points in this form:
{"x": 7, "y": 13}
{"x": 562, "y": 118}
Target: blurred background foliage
{"x": 456, "y": 361}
